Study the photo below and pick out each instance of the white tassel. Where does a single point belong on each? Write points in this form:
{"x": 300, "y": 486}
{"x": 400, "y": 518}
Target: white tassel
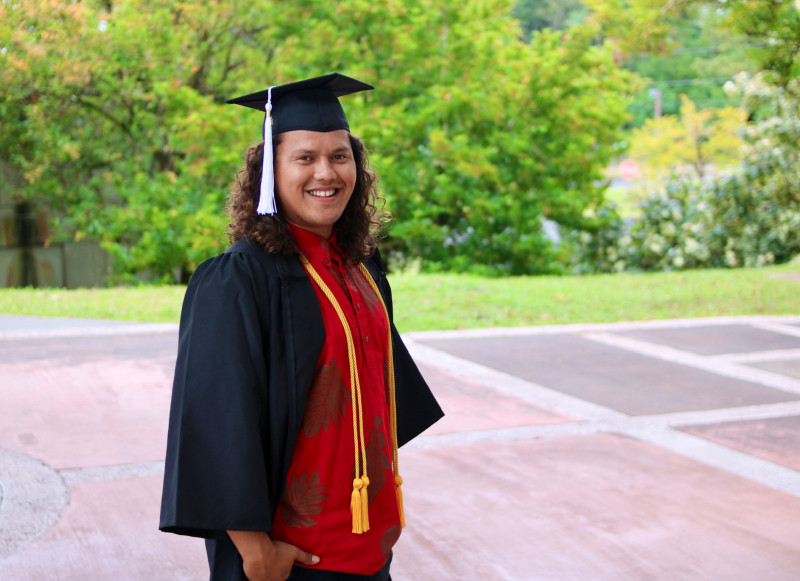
{"x": 266, "y": 200}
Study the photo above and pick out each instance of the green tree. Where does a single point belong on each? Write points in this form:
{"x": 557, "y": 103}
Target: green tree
{"x": 536, "y": 15}
{"x": 700, "y": 54}
{"x": 690, "y": 143}
{"x": 751, "y": 216}
{"x": 111, "y": 112}
{"x": 479, "y": 136}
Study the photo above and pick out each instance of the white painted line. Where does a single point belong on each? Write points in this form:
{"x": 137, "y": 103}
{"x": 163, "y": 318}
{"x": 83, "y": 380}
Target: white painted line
{"x": 600, "y": 327}
{"x": 105, "y": 331}
{"x": 526, "y": 390}
{"x": 719, "y": 367}
{"x": 777, "y": 327}
{"x": 759, "y": 356}
{"x": 623, "y": 424}
{"x": 733, "y": 461}
{"x": 736, "y": 414}
{"x": 501, "y": 435}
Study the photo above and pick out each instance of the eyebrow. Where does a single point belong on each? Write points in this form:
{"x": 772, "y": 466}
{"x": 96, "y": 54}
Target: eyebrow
{"x": 303, "y": 150}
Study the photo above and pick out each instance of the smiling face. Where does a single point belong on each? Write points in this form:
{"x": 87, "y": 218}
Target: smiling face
{"x": 315, "y": 174}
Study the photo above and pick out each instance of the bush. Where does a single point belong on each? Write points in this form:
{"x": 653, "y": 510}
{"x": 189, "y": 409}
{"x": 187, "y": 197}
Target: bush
{"x": 750, "y": 217}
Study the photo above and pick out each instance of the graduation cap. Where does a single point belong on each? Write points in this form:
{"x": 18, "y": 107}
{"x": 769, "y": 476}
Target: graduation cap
{"x": 311, "y": 105}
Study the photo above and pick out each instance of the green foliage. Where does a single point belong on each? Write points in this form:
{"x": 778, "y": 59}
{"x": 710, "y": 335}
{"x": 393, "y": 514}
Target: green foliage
{"x": 698, "y": 55}
{"x": 634, "y": 26}
{"x": 115, "y": 119}
{"x": 489, "y": 156}
{"x": 773, "y": 26}
{"x": 535, "y": 15}
{"x": 689, "y": 144}
{"x": 748, "y": 218}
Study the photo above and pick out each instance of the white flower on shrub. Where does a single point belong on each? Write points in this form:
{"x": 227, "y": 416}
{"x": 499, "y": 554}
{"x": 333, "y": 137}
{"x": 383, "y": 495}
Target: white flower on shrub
{"x": 668, "y": 229}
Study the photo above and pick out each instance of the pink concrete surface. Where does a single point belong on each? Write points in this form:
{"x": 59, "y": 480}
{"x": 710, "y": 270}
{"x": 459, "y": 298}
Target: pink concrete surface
{"x": 109, "y": 533}
{"x": 589, "y": 507}
{"x": 469, "y": 405}
{"x": 95, "y": 412}
{"x": 773, "y": 439}
{"x": 561, "y": 508}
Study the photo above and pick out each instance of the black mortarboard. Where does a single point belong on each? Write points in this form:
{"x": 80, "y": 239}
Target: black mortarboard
{"x": 311, "y": 105}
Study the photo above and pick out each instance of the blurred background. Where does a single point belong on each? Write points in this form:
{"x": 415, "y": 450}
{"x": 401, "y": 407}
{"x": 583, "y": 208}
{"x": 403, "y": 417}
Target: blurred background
{"x": 512, "y": 138}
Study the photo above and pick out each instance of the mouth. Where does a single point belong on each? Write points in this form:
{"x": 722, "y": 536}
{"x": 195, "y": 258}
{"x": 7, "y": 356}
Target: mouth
{"x": 320, "y": 193}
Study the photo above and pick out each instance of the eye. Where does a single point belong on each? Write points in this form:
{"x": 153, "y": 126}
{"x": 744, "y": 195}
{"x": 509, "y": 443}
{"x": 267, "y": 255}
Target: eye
{"x": 341, "y": 156}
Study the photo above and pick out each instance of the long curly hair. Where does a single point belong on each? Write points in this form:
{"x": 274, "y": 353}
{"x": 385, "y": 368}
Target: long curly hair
{"x": 357, "y": 230}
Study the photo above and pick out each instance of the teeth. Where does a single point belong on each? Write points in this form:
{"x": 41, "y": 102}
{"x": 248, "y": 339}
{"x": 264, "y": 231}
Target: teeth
{"x": 322, "y": 193}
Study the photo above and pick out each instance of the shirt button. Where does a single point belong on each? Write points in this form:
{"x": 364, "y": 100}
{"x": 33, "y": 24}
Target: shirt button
{"x": 366, "y": 338}
{"x": 327, "y": 261}
{"x": 358, "y": 306}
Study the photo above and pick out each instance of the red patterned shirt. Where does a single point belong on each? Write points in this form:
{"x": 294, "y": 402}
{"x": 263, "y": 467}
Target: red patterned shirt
{"x": 314, "y": 512}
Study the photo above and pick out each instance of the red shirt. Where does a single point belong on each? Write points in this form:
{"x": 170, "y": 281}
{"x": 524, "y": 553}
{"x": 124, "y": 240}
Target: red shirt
{"x": 314, "y": 512}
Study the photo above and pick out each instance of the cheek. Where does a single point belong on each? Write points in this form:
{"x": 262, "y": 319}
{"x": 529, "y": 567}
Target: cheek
{"x": 352, "y": 175}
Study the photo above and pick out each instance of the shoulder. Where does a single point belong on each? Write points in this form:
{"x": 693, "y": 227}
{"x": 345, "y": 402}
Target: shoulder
{"x": 244, "y": 262}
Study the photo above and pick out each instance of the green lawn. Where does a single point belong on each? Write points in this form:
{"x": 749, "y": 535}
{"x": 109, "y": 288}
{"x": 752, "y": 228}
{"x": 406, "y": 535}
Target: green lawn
{"x": 449, "y": 301}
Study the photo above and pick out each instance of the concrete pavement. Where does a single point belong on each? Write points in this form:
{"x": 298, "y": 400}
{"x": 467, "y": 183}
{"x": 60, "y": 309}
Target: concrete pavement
{"x": 634, "y": 451}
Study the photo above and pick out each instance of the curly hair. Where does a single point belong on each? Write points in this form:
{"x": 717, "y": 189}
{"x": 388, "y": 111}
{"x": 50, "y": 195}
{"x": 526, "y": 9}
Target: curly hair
{"x": 357, "y": 230}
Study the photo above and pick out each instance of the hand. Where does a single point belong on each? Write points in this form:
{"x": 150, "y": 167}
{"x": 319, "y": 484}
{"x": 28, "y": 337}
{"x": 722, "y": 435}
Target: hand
{"x": 267, "y": 560}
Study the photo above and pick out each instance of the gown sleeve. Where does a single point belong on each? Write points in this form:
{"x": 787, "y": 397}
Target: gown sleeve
{"x": 216, "y": 475}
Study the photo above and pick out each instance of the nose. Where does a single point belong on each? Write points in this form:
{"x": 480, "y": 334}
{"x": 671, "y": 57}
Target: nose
{"x": 324, "y": 170}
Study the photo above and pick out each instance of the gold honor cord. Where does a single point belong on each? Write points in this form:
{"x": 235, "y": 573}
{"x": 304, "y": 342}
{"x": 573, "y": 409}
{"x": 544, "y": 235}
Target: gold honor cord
{"x": 398, "y": 480}
{"x": 359, "y": 506}
{"x": 359, "y": 502}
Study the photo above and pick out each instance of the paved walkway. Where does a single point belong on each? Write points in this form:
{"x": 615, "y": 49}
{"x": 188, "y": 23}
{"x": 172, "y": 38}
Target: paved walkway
{"x": 635, "y": 451}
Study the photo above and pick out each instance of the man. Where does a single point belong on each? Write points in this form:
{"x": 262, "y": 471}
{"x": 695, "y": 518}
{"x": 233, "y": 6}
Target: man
{"x": 293, "y": 389}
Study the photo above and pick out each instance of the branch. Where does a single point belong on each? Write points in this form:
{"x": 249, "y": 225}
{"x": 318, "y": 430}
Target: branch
{"x": 89, "y": 105}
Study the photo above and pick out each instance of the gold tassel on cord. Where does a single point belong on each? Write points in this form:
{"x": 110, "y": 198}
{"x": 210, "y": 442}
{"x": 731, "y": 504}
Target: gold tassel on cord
{"x": 359, "y": 500}
{"x": 355, "y": 506}
{"x": 398, "y": 483}
{"x": 365, "y": 504}
{"x": 398, "y": 480}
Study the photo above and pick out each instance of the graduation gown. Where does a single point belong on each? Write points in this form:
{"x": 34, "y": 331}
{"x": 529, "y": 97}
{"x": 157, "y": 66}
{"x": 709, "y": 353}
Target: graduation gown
{"x": 250, "y": 336}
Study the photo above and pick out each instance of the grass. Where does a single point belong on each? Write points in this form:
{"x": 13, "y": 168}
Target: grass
{"x": 450, "y": 301}
{"x": 142, "y": 303}
{"x": 439, "y": 302}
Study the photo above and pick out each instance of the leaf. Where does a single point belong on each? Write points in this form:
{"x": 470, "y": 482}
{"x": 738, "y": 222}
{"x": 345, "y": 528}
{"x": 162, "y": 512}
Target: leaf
{"x": 337, "y": 275}
{"x": 378, "y": 461}
{"x": 302, "y": 498}
{"x": 327, "y": 399}
{"x": 367, "y": 293}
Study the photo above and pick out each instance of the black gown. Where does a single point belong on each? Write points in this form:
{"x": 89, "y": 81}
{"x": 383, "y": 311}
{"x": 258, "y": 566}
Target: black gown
{"x": 250, "y": 336}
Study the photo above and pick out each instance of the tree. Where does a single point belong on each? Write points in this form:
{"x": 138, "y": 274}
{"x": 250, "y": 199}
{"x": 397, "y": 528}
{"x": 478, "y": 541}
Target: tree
{"x": 111, "y": 112}
{"x": 689, "y": 143}
{"x": 535, "y": 15}
{"x": 750, "y": 216}
{"x": 479, "y": 136}
{"x": 700, "y": 54}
